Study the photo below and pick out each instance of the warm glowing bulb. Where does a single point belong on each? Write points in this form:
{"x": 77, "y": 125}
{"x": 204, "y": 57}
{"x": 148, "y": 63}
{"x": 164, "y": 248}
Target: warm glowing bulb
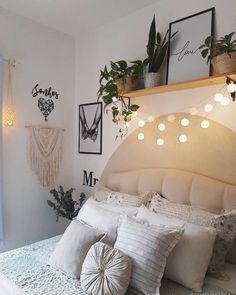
{"x": 218, "y": 97}
{"x": 225, "y": 101}
{"x": 160, "y": 141}
{"x": 193, "y": 111}
{"x": 205, "y": 124}
{"x": 183, "y": 138}
{"x": 231, "y": 88}
{"x": 141, "y": 123}
{"x": 185, "y": 122}
{"x": 150, "y": 119}
{"x": 161, "y": 127}
{"x": 134, "y": 114}
{"x": 208, "y": 107}
{"x": 171, "y": 118}
{"x": 114, "y": 99}
{"x": 141, "y": 136}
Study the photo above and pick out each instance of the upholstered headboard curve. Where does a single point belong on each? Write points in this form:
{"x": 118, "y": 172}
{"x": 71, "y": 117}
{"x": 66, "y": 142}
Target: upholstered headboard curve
{"x": 177, "y": 186}
{"x": 201, "y": 172}
{"x": 180, "y": 187}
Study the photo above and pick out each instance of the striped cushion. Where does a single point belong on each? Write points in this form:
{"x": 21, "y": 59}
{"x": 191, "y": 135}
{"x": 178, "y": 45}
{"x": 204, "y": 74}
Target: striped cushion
{"x": 149, "y": 247}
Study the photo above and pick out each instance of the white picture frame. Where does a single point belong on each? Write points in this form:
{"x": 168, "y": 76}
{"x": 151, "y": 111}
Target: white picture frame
{"x": 184, "y": 61}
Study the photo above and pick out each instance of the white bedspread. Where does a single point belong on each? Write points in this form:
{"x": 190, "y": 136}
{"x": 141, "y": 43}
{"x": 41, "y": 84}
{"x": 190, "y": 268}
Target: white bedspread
{"x": 9, "y": 288}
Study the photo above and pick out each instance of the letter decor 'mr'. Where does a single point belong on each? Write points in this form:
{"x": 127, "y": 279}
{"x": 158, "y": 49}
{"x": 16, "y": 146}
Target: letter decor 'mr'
{"x": 89, "y": 180}
{"x": 45, "y": 99}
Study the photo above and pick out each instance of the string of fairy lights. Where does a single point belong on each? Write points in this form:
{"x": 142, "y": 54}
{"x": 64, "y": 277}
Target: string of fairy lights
{"x": 221, "y": 98}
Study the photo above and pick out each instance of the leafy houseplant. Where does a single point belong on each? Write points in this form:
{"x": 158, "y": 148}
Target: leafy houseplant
{"x": 137, "y": 71}
{"x": 156, "y": 49}
{"x": 221, "y": 53}
{"x": 64, "y": 204}
{"x": 112, "y": 86}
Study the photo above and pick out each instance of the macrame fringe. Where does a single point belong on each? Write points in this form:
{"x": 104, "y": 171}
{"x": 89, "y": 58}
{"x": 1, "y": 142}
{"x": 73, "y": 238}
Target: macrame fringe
{"x": 45, "y": 150}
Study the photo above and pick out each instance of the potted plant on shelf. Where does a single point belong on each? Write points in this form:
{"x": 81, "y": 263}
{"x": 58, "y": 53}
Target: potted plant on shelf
{"x": 156, "y": 49}
{"x": 113, "y": 84}
{"x": 221, "y": 53}
{"x": 137, "y": 72}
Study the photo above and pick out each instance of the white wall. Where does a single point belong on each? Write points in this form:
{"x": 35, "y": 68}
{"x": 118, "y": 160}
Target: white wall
{"x": 127, "y": 39}
{"x": 42, "y": 56}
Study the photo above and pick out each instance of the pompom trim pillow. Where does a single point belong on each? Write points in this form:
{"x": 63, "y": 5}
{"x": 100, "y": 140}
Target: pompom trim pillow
{"x": 104, "y": 194}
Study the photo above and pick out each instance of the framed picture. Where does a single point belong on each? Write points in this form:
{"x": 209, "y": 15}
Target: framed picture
{"x": 184, "y": 57}
{"x": 90, "y": 128}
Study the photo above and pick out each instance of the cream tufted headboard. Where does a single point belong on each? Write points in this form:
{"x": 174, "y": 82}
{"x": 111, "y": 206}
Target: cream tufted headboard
{"x": 201, "y": 172}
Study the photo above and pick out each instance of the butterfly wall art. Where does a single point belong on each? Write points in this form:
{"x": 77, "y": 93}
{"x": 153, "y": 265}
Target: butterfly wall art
{"x": 46, "y": 98}
{"x": 90, "y": 128}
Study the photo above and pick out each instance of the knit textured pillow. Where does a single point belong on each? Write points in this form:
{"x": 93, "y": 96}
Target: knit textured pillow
{"x": 148, "y": 246}
{"x": 225, "y": 225}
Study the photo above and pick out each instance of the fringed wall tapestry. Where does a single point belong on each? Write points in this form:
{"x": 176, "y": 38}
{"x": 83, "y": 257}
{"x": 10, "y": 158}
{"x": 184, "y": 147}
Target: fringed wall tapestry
{"x": 45, "y": 151}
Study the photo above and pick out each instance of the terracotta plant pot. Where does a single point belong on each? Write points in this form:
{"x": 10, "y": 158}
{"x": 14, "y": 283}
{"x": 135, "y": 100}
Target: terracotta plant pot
{"x": 223, "y": 64}
{"x": 152, "y": 80}
{"x": 124, "y": 87}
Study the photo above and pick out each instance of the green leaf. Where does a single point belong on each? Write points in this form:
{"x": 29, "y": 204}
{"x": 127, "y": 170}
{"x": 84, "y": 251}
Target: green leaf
{"x": 204, "y": 53}
{"x": 134, "y": 107}
{"x": 208, "y": 41}
{"x": 151, "y": 38}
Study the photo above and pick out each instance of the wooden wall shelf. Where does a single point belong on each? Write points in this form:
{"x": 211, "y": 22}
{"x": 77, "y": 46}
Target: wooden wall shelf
{"x": 181, "y": 86}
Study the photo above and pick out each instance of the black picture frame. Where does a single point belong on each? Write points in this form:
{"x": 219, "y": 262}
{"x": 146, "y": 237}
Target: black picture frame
{"x": 90, "y": 128}
{"x": 197, "y": 64}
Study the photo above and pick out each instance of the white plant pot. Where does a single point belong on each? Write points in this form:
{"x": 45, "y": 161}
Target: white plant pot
{"x": 152, "y": 80}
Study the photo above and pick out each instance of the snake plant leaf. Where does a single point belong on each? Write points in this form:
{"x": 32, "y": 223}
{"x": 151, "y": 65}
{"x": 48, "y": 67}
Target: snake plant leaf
{"x": 152, "y": 38}
{"x": 160, "y": 57}
{"x": 158, "y": 38}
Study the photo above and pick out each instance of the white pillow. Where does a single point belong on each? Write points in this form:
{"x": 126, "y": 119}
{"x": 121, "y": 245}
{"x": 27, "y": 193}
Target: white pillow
{"x": 104, "y": 194}
{"x": 188, "y": 262}
{"x": 73, "y": 247}
{"x": 100, "y": 218}
{"x": 148, "y": 246}
{"x": 124, "y": 210}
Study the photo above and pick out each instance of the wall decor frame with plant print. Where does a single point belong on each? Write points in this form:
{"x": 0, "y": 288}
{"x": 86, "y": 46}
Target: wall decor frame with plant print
{"x": 90, "y": 128}
{"x": 184, "y": 56}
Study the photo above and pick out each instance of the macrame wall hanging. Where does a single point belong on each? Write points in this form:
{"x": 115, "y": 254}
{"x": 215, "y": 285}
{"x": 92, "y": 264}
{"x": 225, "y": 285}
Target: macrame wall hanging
{"x": 45, "y": 151}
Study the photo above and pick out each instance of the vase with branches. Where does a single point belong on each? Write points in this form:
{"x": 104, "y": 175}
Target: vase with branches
{"x": 64, "y": 205}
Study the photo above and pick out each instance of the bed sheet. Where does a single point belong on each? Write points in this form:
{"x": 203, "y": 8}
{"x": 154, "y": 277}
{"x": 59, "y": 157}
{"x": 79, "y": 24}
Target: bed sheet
{"x": 27, "y": 270}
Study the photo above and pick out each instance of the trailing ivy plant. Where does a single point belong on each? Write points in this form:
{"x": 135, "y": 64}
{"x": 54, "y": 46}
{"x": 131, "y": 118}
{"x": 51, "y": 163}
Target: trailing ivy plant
{"x": 223, "y": 45}
{"x": 157, "y": 47}
{"x": 137, "y": 69}
{"x": 111, "y": 95}
{"x": 64, "y": 205}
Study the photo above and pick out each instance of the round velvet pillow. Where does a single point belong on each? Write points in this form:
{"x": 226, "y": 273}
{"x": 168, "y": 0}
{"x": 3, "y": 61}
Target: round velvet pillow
{"x": 105, "y": 271}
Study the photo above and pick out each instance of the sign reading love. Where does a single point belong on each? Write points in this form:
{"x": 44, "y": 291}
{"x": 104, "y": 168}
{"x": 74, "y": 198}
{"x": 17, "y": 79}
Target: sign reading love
{"x": 45, "y": 100}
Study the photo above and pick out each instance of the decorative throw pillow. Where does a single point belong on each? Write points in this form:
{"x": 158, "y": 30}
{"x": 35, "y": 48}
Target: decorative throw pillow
{"x": 105, "y": 271}
{"x": 102, "y": 219}
{"x": 72, "y": 249}
{"x": 103, "y": 194}
{"x": 187, "y": 263}
{"x": 148, "y": 246}
{"x": 225, "y": 225}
